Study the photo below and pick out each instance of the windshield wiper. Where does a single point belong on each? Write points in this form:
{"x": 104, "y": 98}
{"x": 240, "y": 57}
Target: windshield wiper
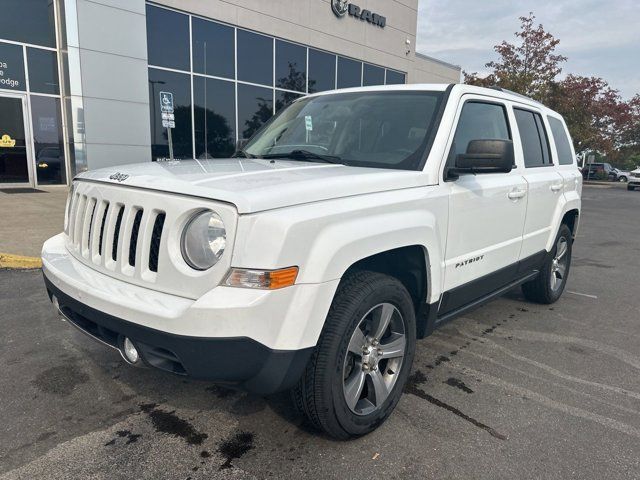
{"x": 306, "y": 155}
{"x": 243, "y": 154}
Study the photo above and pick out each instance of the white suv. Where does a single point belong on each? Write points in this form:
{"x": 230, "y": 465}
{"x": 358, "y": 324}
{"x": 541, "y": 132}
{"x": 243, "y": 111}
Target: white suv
{"x": 352, "y": 224}
{"x": 634, "y": 179}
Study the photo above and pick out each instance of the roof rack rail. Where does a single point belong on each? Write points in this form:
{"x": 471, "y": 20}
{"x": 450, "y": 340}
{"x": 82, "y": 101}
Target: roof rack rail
{"x": 516, "y": 94}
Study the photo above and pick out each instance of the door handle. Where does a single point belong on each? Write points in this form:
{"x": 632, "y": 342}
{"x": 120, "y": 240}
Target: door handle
{"x": 556, "y": 188}
{"x": 516, "y": 194}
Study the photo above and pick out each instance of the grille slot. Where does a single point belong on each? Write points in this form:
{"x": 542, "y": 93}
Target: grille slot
{"x": 104, "y": 219}
{"x": 156, "y": 236}
{"x": 133, "y": 245}
{"x": 116, "y": 234}
{"x": 87, "y": 240}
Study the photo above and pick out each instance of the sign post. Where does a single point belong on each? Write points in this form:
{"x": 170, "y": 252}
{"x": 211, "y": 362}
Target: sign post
{"x": 168, "y": 118}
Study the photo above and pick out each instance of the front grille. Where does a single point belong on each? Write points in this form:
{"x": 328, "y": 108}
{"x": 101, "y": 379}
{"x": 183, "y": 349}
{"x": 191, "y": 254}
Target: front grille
{"x": 133, "y": 244}
{"x": 156, "y": 235}
{"x": 124, "y": 232}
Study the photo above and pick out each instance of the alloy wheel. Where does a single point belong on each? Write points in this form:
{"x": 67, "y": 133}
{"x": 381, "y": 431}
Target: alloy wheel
{"x": 559, "y": 264}
{"x": 374, "y": 358}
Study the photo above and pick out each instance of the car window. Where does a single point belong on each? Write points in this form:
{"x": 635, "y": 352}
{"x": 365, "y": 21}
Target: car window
{"x": 479, "y": 121}
{"x": 535, "y": 143}
{"x": 561, "y": 140}
{"x": 366, "y": 129}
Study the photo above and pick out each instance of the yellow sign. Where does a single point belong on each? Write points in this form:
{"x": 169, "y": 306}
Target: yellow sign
{"x": 7, "y": 141}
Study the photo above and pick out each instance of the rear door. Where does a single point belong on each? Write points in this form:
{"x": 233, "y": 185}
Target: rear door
{"x": 545, "y": 184}
{"x": 565, "y": 157}
{"x": 486, "y": 211}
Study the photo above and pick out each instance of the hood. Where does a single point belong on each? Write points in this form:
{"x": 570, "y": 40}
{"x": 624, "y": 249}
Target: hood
{"x": 257, "y": 185}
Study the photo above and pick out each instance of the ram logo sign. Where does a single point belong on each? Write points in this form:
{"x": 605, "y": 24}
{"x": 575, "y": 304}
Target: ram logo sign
{"x": 342, "y": 7}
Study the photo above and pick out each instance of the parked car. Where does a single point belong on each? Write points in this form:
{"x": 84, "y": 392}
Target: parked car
{"x": 352, "y": 224}
{"x": 634, "y": 179}
{"x": 617, "y": 175}
{"x": 597, "y": 170}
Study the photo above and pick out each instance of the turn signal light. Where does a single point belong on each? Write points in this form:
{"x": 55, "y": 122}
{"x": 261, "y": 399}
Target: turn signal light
{"x": 262, "y": 279}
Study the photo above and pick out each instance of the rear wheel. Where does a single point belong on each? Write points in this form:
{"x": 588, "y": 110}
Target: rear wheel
{"x": 356, "y": 375}
{"x": 548, "y": 286}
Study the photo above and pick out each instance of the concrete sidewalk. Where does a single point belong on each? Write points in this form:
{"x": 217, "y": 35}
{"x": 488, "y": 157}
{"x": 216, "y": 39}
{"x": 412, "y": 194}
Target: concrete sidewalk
{"x": 28, "y": 219}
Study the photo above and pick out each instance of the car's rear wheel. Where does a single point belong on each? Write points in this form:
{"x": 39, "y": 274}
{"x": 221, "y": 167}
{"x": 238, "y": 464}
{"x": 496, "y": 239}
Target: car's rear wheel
{"x": 622, "y": 179}
{"x": 548, "y": 286}
{"x": 356, "y": 375}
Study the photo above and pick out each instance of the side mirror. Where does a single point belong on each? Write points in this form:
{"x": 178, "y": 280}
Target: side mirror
{"x": 485, "y": 156}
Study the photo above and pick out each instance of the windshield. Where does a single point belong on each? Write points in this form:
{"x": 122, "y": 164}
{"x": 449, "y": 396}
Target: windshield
{"x": 369, "y": 129}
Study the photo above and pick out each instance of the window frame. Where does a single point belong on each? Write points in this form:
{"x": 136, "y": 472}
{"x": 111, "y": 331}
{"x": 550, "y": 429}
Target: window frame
{"x": 454, "y": 129}
{"x": 540, "y": 116}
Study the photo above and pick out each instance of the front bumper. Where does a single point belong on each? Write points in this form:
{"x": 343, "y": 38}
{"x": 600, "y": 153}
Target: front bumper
{"x": 258, "y": 340}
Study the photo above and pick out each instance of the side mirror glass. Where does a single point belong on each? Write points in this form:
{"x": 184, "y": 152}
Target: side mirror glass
{"x": 485, "y": 156}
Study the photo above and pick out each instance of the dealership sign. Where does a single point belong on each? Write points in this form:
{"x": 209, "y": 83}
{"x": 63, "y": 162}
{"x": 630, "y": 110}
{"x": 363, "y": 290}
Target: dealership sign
{"x": 342, "y": 7}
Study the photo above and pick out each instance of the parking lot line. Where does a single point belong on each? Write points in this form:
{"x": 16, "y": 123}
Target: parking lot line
{"x": 583, "y": 294}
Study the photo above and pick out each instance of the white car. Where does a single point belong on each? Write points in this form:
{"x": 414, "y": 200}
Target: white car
{"x": 356, "y": 222}
{"x": 634, "y": 179}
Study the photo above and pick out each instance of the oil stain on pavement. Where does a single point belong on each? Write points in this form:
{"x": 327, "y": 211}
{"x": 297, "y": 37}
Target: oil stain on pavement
{"x": 170, "y": 423}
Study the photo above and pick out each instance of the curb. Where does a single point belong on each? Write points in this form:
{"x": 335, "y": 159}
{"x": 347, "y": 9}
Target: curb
{"x": 8, "y": 260}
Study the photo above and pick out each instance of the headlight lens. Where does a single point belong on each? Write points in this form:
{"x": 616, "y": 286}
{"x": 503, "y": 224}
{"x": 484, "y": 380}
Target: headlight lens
{"x": 204, "y": 240}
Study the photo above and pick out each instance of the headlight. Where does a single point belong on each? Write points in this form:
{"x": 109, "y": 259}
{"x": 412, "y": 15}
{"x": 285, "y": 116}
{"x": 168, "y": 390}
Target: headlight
{"x": 203, "y": 240}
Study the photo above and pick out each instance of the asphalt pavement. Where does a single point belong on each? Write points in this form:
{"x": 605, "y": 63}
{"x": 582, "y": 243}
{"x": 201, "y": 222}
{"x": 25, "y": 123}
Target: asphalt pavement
{"x": 512, "y": 390}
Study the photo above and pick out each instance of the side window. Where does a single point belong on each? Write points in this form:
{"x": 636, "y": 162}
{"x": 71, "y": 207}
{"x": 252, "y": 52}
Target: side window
{"x": 563, "y": 147}
{"x": 535, "y": 143}
{"x": 479, "y": 121}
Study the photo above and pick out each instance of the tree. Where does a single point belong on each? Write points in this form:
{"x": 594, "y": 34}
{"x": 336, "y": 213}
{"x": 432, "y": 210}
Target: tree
{"x": 529, "y": 68}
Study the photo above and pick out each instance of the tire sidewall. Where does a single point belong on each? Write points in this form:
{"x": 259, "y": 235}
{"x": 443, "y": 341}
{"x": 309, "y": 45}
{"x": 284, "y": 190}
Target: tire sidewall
{"x": 386, "y": 290}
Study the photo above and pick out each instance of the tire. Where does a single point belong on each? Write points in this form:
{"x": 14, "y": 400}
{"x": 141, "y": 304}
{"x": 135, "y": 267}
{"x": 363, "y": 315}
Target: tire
{"x": 631, "y": 188}
{"x": 622, "y": 179}
{"x": 543, "y": 288}
{"x": 322, "y": 392}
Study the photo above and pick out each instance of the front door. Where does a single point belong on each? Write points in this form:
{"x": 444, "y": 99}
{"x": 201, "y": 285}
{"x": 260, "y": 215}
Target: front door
{"x": 486, "y": 213}
{"x": 15, "y": 165}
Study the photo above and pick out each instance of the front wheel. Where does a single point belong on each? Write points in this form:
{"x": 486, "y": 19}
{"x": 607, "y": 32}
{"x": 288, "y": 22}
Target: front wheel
{"x": 548, "y": 286}
{"x": 622, "y": 179}
{"x": 356, "y": 375}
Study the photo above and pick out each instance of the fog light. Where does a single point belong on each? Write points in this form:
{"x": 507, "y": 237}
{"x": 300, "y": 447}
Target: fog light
{"x": 130, "y": 351}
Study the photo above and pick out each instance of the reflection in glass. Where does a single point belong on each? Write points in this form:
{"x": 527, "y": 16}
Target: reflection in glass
{"x": 291, "y": 66}
{"x": 13, "y": 74}
{"x": 395, "y": 78}
{"x": 47, "y": 137}
{"x": 180, "y": 85}
{"x": 283, "y": 99}
{"x": 372, "y": 75}
{"x": 213, "y": 49}
{"x": 13, "y": 148}
{"x": 255, "y": 58}
{"x": 255, "y": 107}
{"x": 28, "y": 21}
{"x": 43, "y": 71}
{"x": 215, "y": 117}
{"x": 349, "y": 73}
{"x": 167, "y": 38}
{"x": 322, "y": 71}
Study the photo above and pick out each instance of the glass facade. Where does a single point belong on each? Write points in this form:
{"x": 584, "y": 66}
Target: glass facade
{"x": 227, "y": 81}
{"x": 29, "y": 69}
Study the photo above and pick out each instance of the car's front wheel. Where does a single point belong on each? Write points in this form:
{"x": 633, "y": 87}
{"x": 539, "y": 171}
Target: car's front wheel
{"x": 356, "y": 375}
{"x": 622, "y": 179}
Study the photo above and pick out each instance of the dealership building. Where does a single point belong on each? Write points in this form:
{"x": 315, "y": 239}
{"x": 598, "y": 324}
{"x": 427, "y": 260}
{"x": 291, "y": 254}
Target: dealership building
{"x": 81, "y": 81}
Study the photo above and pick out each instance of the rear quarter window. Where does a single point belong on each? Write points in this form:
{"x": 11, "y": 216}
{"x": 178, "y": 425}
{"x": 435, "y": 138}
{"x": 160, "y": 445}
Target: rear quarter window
{"x": 561, "y": 140}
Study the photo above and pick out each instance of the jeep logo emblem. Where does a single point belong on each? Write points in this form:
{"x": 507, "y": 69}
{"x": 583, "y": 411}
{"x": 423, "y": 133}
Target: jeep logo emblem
{"x": 340, "y": 7}
{"x": 120, "y": 177}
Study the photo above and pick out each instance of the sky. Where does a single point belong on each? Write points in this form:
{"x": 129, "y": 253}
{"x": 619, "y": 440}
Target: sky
{"x": 600, "y": 38}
